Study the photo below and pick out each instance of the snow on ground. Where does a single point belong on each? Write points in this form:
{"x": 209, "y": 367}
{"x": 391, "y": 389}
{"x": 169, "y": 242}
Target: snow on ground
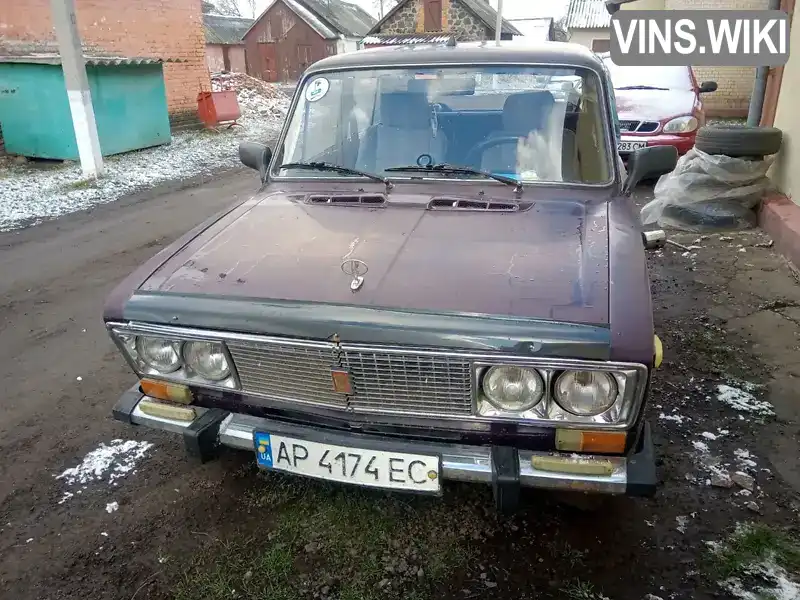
{"x": 106, "y": 463}
{"x": 30, "y": 195}
{"x": 743, "y": 401}
{"x": 777, "y": 585}
{"x": 744, "y": 458}
{"x": 678, "y": 418}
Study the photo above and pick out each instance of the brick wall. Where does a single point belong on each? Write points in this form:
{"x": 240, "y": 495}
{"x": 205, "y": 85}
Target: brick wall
{"x": 153, "y": 28}
{"x": 735, "y": 83}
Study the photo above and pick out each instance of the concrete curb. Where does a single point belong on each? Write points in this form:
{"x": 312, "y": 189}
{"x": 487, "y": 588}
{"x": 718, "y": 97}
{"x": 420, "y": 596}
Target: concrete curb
{"x": 780, "y": 218}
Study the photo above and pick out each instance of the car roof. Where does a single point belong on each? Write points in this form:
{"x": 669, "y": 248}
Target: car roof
{"x": 606, "y": 56}
{"x": 548, "y": 53}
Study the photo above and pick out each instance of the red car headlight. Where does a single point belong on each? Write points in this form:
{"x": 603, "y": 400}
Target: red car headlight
{"x": 684, "y": 124}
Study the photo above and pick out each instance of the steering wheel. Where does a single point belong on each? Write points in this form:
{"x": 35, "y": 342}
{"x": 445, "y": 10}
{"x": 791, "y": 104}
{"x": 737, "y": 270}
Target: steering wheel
{"x": 477, "y": 152}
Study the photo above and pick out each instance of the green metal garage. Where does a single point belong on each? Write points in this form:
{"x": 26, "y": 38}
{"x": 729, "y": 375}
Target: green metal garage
{"x": 128, "y": 95}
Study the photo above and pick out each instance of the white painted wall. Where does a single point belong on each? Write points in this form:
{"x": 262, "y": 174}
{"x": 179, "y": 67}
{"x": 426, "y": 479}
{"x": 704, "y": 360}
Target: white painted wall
{"x": 584, "y": 37}
{"x": 786, "y": 171}
{"x": 346, "y": 45}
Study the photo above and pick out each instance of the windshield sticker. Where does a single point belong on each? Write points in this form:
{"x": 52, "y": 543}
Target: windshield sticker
{"x": 317, "y": 89}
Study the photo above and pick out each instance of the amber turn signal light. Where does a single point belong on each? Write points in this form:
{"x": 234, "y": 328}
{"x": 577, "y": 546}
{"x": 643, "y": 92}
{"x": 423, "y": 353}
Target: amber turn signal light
{"x": 603, "y": 442}
{"x": 173, "y": 392}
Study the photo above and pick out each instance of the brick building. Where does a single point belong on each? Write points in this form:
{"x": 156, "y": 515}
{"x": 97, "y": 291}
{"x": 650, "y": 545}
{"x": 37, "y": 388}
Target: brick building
{"x": 224, "y": 44}
{"x": 732, "y": 98}
{"x": 467, "y": 20}
{"x": 167, "y": 29}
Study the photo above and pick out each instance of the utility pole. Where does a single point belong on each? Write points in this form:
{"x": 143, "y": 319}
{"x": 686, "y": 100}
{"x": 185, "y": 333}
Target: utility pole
{"x": 80, "y": 98}
{"x": 498, "y": 29}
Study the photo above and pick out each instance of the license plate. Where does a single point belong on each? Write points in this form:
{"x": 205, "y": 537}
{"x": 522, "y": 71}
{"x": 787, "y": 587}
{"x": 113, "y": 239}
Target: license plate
{"x": 630, "y": 146}
{"x": 369, "y": 468}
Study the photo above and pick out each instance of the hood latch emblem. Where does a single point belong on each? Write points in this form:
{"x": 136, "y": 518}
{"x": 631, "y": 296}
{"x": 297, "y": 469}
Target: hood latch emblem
{"x": 356, "y": 269}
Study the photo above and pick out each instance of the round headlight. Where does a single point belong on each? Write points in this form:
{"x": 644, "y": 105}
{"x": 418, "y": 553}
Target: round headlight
{"x": 585, "y": 393}
{"x": 207, "y": 359}
{"x": 683, "y": 124}
{"x": 159, "y": 353}
{"x": 513, "y": 388}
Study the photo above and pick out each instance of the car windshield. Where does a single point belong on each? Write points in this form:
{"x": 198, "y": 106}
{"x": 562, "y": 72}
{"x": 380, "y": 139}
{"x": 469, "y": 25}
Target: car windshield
{"x": 665, "y": 78}
{"x": 529, "y": 124}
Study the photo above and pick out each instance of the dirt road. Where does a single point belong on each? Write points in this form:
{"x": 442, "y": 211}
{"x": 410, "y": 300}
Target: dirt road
{"x": 728, "y": 311}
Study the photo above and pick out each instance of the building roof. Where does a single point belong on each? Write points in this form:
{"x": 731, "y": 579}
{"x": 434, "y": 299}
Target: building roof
{"x": 480, "y": 8}
{"x": 587, "y": 14}
{"x": 347, "y": 18}
{"x": 539, "y": 30}
{"x": 488, "y": 15}
{"x": 55, "y": 59}
{"x": 391, "y": 39}
{"x": 470, "y": 53}
{"x": 220, "y": 29}
{"x": 331, "y": 19}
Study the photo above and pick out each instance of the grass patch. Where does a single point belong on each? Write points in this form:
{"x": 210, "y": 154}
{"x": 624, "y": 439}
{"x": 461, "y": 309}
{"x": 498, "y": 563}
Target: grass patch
{"x": 81, "y": 184}
{"x": 581, "y": 590}
{"x": 319, "y": 540}
{"x": 752, "y": 544}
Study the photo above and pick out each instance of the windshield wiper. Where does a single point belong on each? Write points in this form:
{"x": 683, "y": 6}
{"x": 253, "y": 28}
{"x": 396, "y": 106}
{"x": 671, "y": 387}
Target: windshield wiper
{"x": 446, "y": 168}
{"x": 323, "y": 166}
{"x": 640, "y": 87}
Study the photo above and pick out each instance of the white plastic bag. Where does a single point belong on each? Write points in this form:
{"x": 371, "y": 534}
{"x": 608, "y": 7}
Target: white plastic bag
{"x": 709, "y": 192}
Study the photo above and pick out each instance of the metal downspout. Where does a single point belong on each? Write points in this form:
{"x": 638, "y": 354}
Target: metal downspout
{"x": 760, "y": 87}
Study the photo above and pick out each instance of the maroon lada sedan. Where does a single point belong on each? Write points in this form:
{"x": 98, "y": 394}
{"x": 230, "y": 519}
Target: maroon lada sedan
{"x": 441, "y": 277}
{"x": 657, "y": 106}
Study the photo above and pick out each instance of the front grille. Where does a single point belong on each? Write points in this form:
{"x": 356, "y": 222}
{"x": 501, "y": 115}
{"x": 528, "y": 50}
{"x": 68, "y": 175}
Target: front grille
{"x": 286, "y": 371}
{"x": 648, "y": 127}
{"x": 639, "y": 126}
{"x": 387, "y": 381}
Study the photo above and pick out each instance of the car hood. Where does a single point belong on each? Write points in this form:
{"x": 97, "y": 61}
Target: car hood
{"x": 653, "y": 105}
{"x": 547, "y": 262}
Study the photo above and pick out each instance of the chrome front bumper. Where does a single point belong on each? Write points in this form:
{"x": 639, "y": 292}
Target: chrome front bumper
{"x": 631, "y": 475}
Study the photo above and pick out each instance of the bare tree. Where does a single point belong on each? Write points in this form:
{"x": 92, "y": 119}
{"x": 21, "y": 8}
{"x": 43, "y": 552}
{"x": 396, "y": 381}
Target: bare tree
{"x": 228, "y": 7}
{"x": 384, "y": 6}
{"x": 560, "y": 31}
{"x": 251, "y": 4}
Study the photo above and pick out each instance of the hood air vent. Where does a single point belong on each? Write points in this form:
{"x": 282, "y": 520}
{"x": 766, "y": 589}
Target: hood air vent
{"x": 348, "y": 200}
{"x": 481, "y": 205}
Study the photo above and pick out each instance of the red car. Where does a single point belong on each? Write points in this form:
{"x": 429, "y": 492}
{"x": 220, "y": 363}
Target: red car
{"x": 657, "y": 106}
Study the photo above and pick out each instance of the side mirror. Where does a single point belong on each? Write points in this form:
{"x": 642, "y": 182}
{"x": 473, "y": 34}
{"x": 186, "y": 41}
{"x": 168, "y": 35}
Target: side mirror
{"x": 612, "y": 6}
{"x": 654, "y": 239}
{"x": 649, "y": 163}
{"x": 256, "y": 156}
{"x": 706, "y": 87}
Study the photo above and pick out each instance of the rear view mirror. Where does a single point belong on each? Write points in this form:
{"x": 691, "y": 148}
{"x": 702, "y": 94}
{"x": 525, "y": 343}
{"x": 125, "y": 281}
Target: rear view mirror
{"x": 649, "y": 163}
{"x": 707, "y": 86}
{"x": 256, "y": 156}
{"x": 612, "y": 6}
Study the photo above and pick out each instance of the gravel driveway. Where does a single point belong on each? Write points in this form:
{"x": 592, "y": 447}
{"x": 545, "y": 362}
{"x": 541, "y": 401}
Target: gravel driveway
{"x": 91, "y": 508}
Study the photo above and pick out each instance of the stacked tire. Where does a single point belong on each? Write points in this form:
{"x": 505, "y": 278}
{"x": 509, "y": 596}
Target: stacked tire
{"x": 752, "y": 143}
{"x": 720, "y": 185}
